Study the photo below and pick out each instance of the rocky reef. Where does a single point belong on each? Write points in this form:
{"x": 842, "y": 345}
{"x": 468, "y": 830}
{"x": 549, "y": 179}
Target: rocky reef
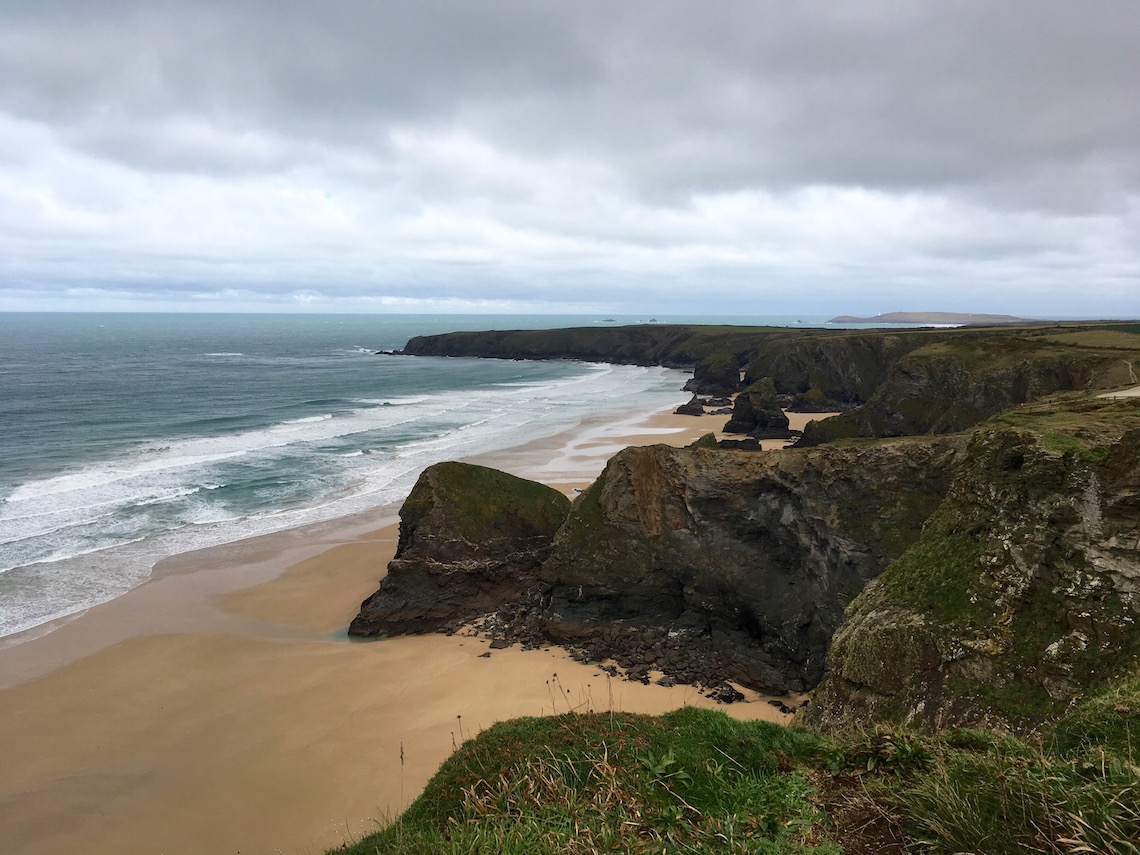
{"x": 472, "y": 540}
{"x": 1023, "y": 591}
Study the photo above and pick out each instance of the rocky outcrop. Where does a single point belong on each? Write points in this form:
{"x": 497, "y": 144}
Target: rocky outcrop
{"x": 834, "y": 372}
{"x": 712, "y": 565}
{"x": 694, "y": 407}
{"x": 716, "y": 374}
{"x": 1023, "y": 591}
{"x": 756, "y": 412}
{"x": 472, "y": 540}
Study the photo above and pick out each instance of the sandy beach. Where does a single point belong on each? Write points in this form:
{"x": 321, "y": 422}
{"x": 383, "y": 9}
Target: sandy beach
{"x": 220, "y": 707}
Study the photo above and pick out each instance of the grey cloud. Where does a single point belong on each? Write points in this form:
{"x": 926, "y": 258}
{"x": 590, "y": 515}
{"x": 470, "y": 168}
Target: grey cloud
{"x": 578, "y": 141}
{"x": 682, "y": 97}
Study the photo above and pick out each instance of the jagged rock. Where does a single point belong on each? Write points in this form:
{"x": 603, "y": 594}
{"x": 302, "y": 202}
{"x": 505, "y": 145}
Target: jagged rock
{"x": 1022, "y": 593}
{"x": 756, "y": 412}
{"x": 695, "y": 407}
{"x": 471, "y": 541}
{"x": 739, "y": 444}
{"x": 731, "y": 565}
{"x": 725, "y": 694}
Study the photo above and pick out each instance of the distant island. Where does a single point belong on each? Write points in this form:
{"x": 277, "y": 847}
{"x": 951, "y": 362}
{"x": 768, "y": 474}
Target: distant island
{"x": 956, "y": 318}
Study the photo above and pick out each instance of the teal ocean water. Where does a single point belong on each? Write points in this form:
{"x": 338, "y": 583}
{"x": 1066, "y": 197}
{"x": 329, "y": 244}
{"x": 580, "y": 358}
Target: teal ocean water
{"x": 125, "y": 438}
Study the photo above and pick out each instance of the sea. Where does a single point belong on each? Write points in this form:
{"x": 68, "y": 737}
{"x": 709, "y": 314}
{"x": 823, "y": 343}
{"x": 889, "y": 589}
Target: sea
{"x": 127, "y": 438}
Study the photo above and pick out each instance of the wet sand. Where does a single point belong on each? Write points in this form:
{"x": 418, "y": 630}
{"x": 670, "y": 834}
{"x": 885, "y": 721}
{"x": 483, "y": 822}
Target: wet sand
{"x": 221, "y": 708}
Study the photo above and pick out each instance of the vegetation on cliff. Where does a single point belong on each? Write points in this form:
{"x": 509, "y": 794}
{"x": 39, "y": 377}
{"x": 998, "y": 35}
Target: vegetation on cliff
{"x": 958, "y": 381}
{"x": 1023, "y": 592}
{"x": 698, "y": 781}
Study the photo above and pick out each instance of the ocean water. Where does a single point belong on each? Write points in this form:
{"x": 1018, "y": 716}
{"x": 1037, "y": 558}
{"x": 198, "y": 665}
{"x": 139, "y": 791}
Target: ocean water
{"x": 126, "y": 438}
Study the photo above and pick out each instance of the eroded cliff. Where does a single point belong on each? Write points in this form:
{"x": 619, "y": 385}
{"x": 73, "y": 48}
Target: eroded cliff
{"x": 1023, "y": 591}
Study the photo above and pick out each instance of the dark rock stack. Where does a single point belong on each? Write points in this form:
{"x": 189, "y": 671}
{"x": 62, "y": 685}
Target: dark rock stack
{"x": 756, "y": 412}
{"x": 695, "y": 407}
{"x": 472, "y": 540}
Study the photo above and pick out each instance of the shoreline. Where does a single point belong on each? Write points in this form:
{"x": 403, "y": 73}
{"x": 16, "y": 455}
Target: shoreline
{"x": 221, "y": 707}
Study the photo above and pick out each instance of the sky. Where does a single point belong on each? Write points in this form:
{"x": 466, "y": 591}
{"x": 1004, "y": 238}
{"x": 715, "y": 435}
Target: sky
{"x": 766, "y": 157}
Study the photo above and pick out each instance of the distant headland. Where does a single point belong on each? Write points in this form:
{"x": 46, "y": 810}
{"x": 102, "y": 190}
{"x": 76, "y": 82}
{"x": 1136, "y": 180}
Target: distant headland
{"x": 955, "y": 318}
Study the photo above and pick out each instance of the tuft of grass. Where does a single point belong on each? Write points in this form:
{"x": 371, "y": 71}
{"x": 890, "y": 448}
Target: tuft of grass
{"x": 689, "y": 781}
{"x": 698, "y": 781}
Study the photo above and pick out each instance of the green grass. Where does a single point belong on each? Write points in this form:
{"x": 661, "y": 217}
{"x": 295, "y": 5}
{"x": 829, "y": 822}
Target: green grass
{"x": 698, "y": 781}
{"x": 1117, "y": 339}
{"x": 689, "y": 781}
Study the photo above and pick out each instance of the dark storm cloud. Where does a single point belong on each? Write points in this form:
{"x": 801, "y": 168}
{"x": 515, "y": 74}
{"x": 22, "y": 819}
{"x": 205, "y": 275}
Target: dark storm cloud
{"x": 522, "y": 136}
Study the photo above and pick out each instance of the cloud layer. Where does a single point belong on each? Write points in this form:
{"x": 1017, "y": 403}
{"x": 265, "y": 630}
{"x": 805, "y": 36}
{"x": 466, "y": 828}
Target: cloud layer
{"x": 646, "y": 156}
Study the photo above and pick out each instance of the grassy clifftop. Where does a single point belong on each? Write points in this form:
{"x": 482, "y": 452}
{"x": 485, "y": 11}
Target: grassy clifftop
{"x": 698, "y": 781}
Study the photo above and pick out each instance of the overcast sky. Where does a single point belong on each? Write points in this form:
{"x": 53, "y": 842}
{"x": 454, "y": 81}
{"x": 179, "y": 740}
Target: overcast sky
{"x": 664, "y": 157}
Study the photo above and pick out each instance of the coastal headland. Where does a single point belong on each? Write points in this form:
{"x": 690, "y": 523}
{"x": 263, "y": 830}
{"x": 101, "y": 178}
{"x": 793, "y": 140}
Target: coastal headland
{"x": 963, "y": 526}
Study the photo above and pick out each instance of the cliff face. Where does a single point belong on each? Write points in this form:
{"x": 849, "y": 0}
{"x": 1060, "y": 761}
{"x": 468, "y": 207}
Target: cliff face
{"x": 707, "y": 562}
{"x": 1023, "y": 591}
{"x": 951, "y": 385}
{"x": 472, "y": 540}
{"x": 835, "y": 372}
{"x": 819, "y": 368}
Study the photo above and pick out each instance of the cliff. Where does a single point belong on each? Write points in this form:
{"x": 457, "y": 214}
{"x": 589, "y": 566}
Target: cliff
{"x": 472, "y": 540}
{"x": 1023, "y": 592}
{"x": 712, "y": 565}
{"x": 834, "y": 372}
{"x": 954, "y": 383}
{"x": 715, "y": 354}
{"x": 893, "y": 382}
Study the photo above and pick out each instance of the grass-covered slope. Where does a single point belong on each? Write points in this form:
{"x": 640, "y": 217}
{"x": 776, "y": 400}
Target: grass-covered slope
{"x": 478, "y": 508}
{"x": 698, "y": 781}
